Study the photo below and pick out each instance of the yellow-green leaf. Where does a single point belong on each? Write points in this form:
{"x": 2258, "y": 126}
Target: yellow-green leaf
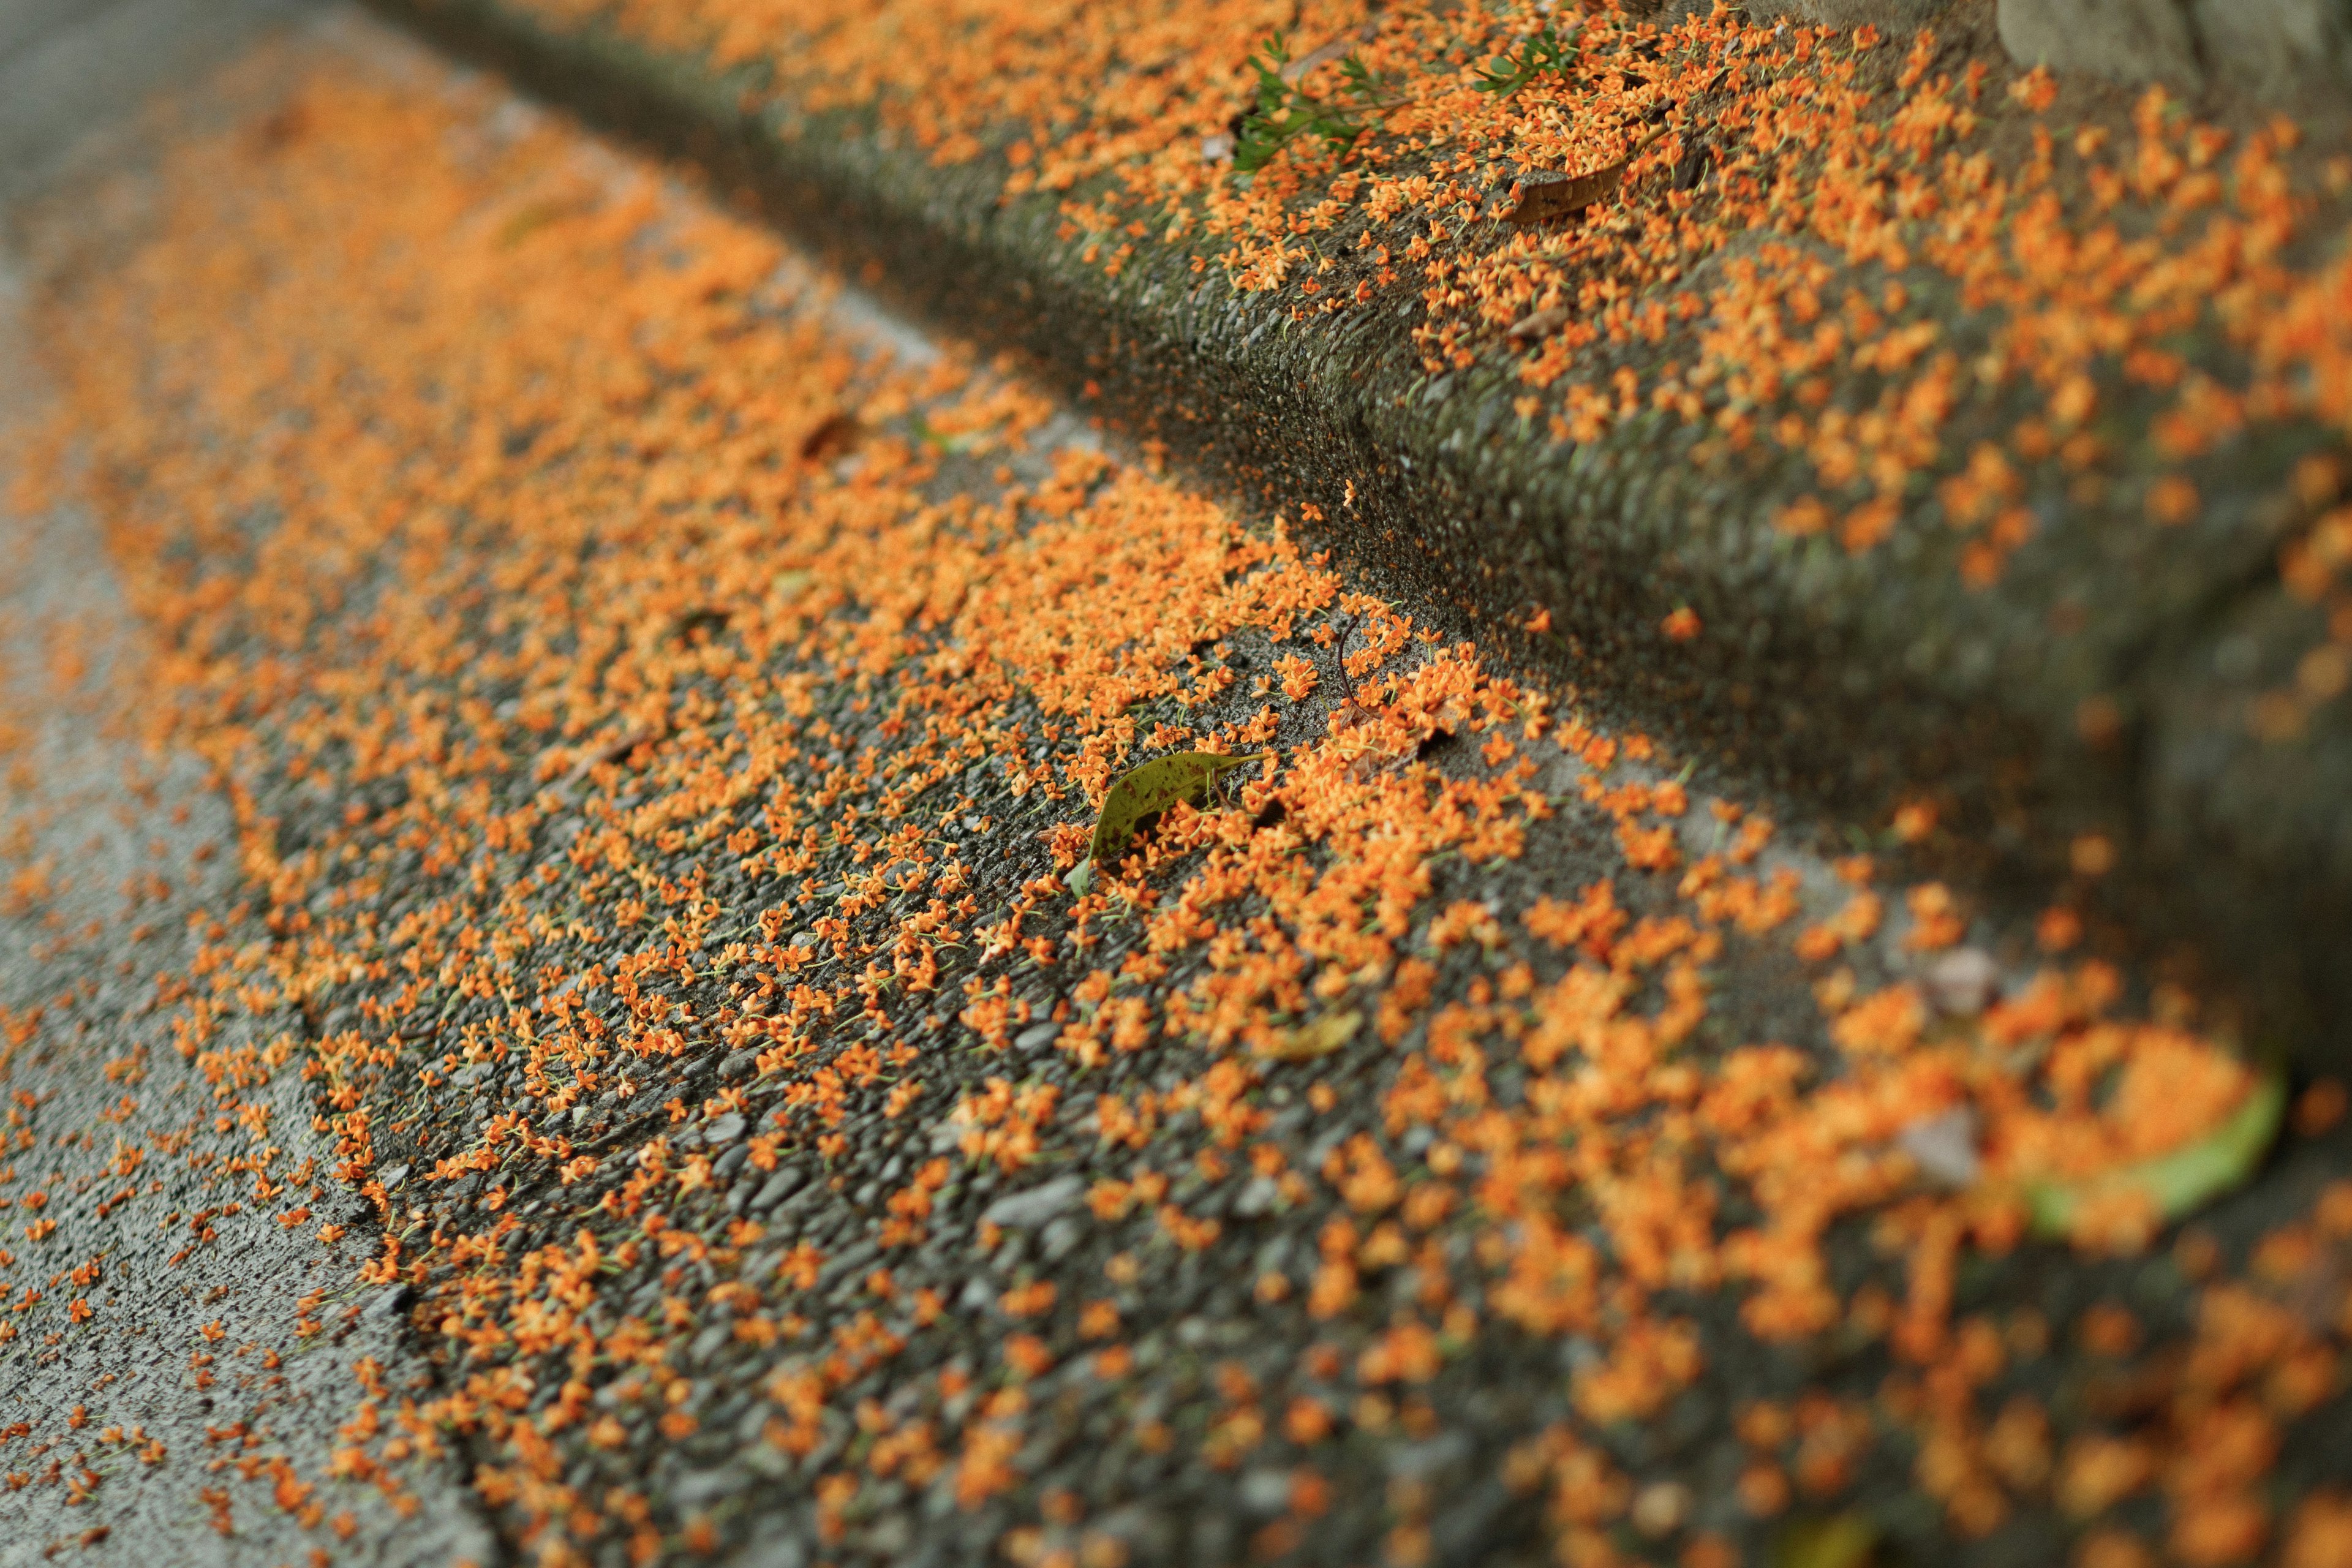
{"x": 2179, "y": 1182}
{"x": 1319, "y": 1038}
{"x": 1840, "y": 1541}
{"x": 1154, "y": 787}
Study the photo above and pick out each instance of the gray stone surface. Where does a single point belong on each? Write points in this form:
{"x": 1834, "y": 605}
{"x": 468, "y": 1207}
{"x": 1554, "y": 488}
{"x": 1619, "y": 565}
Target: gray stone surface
{"x": 2129, "y": 40}
{"x": 1170, "y": 1509}
{"x": 196, "y": 1352}
{"x": 1845, "y": 682}
{"x": 2263, "y": 49}
{"x": 1885, "y": 14}
{"x": 71, "y": 69}
{"x": 2266, "y": 47}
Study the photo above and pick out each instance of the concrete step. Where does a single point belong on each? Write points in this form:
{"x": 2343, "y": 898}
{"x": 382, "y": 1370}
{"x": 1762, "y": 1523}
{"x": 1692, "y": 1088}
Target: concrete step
{"x": 2086, "y": 659}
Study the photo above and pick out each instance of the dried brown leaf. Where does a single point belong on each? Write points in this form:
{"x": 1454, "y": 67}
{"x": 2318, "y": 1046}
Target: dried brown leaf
{"x": 1546, "y": 193}
{"x": 1538, "y": 323}
{"x": 834, "y": 435}
{"x": 1319, "y": 1038}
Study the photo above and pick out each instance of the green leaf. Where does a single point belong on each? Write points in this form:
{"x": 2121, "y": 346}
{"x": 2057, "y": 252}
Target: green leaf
{"x": 1547, "y": 51}
{"x": 2179, "y": 1182}
{"x": 1153, "y": 788}
{"x": 1285, "y": 112}
{"x": 1840, "y": 1541}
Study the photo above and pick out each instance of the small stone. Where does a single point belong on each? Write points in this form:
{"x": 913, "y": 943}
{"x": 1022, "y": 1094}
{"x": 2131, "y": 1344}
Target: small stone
{"x": 1060, "y": 1238}
{"x": 848, "y": 1263}
{"x": 1257, "y": 1198}
{"x": 1266, "y": 1492}
{"x": 1427, "y": 1460}
{"x": 391, "y": 1303}
{"x": 1028, "y": 1210}
{"x": 1943, "y": 1147}
{"x": 780, "y": 1186}
{"x": 394, "y": 1177}
{"x": 1144, "y": 1530}
{"x": 723, "y": 1130}
{"x": 700, "y": 1488}
{"x": 776, "y": 1551}
{"x": 1660, "y": 1508}
{"x": 1036, "y": 1037}
{"x": 1963, "y": 982}
{"x": 741, "y": 1065}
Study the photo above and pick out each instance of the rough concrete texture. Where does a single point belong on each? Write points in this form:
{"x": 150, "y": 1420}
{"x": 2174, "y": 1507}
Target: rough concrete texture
{"x": 2268, "y": 50}
{"x": 1846, "y": 682}
{"x": 2273, "y": 50}
{"x": 175, "y": 1389}
{"x": 1185, "y": 1458}
{"x": 71, "y": 71}
{"x": 181, "y": 1360}
{"x": 2130, "y": 41}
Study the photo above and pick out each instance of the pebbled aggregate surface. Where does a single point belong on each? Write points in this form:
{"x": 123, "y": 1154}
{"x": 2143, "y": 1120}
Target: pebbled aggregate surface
{"x": 650, "y": 713}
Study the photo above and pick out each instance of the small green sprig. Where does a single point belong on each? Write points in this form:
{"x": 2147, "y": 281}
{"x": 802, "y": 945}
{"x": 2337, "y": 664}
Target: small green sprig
{"x": 1547, "y": 51}
{"x": 1285, "y": 112}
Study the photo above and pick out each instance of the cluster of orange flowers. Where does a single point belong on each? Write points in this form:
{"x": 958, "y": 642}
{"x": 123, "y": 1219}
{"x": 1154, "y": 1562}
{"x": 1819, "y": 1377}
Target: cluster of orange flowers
{"x": 1899, "y": 262}
{"x": 627, "y": 682}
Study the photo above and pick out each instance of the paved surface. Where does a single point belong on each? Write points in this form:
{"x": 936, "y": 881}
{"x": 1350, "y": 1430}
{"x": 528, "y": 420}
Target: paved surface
{"x": 645, "y": 732}
{"x": 1565, "y": 438}
{"x": 73, "y": 72}
{"x": 180, "y": 1359}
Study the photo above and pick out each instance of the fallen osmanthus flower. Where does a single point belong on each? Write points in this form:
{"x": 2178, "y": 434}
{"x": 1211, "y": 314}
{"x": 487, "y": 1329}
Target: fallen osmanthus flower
{"x": 1383, "y": 739}
{"x": 611, "y": 751}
